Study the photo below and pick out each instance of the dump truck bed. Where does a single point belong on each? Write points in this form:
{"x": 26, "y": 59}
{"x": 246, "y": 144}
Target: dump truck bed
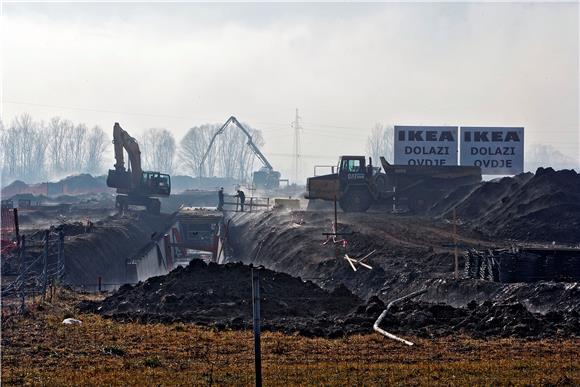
{"x": 433, "y": 171}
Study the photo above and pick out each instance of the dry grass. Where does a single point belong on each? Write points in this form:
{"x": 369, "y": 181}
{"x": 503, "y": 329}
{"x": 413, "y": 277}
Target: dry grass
{"x": 39, "y": 350}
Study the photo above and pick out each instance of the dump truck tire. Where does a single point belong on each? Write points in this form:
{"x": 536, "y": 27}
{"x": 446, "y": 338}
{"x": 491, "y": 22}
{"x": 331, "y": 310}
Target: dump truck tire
{"x": 356, "y": 200}
{"x": 381, "y": 183}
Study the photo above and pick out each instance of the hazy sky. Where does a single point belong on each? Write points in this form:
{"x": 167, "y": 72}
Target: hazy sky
{"x": 345, "y": 66}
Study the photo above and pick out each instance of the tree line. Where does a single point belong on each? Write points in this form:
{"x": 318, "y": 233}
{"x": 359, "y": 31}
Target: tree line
{"x": 34, "y": 151}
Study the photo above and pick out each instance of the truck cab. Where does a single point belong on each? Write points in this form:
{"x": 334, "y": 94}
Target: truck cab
{"x": 349, "y": 186}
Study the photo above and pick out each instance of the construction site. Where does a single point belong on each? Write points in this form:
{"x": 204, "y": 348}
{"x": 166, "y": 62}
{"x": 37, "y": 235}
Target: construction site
{"x": 436, "y": 257}
{"x": 395, "y": 257}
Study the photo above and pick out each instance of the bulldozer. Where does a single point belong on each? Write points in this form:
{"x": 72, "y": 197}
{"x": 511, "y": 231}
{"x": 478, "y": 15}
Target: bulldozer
{"x": 135, "y": 186}
{"x": 358, "y": 185}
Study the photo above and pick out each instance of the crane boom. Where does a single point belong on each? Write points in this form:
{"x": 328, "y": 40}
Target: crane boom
{"x": 251, "y": 144}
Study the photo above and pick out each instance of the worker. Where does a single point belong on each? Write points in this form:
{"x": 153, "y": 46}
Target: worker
{"x": 220, "y": 199}
{"x": 242, "y": 197}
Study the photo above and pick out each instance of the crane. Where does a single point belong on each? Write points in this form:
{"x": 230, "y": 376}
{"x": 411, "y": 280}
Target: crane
{"x": 266, "y": 177}
{"x": 135, "y": 186}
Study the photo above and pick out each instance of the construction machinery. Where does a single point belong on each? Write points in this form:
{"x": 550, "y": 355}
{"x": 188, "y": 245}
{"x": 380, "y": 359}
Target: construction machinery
{"x": 357, "y": 185}
{"x": 135, "y": 186}
{"x": 266, "y": 177}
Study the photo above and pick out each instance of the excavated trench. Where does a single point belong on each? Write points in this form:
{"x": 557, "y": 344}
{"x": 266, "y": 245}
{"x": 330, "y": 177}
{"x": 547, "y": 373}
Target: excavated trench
{"x": 330, "y": 299}
{"x": 108, "y": 252}
{"x": 409, "y": 255}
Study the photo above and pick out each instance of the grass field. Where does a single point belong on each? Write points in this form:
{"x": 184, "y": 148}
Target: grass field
{"x": 38, "y": 349}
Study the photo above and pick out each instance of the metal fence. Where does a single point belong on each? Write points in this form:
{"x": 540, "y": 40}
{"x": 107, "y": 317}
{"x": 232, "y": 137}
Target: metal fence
{"x": 40, "y": 265}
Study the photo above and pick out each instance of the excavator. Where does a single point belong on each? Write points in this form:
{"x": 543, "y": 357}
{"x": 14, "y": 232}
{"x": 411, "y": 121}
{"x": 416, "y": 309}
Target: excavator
{"x": 266, "y": 177}
{"x": 135, "y": 186}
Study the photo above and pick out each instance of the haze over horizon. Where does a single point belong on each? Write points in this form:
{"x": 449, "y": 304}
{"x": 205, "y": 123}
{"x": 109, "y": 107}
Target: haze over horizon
{"x": 345, "y": 66}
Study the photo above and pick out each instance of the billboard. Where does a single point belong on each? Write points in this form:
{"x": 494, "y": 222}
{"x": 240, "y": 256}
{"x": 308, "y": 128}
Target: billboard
{"x": 497, "y": 150}
{"x": 426, "y": 145}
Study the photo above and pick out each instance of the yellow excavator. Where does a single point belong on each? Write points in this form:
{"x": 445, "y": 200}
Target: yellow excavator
{"x": 135, "y": 186}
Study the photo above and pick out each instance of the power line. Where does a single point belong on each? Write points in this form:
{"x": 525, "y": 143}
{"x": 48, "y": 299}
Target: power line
{"x": 97, "y": 110}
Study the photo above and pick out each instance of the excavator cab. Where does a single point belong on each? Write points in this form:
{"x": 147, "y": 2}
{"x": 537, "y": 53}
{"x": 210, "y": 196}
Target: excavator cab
{"x": 155, "y": 183}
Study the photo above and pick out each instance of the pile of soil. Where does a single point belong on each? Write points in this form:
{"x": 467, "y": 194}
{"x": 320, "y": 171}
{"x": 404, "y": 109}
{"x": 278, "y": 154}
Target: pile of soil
{"x": 220, "y": 296}
{"x": 541, "y": 207}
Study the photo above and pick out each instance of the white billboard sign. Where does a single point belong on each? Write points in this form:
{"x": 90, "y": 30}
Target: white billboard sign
{"x": 426, "y": 145}
{"x": 497, "y": 150}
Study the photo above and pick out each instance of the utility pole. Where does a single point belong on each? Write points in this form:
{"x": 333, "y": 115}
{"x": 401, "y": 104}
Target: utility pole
{"x": 297, "y": 146}
{"x": 256, "y": 323}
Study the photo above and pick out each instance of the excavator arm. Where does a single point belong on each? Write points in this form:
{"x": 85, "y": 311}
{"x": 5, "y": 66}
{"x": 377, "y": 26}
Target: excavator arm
{"x": 122, "y": 140}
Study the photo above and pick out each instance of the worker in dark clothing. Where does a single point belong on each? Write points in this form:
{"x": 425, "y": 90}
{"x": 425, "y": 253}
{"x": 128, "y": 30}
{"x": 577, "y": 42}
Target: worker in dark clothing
{"x": 220, "y": 199}
{"x": 242, "y": 197}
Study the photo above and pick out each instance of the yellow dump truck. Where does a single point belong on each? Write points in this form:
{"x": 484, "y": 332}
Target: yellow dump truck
{"x": 358, "y": 185}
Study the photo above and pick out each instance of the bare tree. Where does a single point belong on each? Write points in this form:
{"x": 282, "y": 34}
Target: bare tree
{"x": 56, "y": 140}
{"x": 24, "y": 149}
{"x": 96, "y": 146}
{"x": 380, "y": 143}
{"x": 76, "y": 148}
{"x": 193, "y": 147}
{"x": 158, "y": 150}
{"x": 33, "y": 151}
{"x": 229, "y": 156}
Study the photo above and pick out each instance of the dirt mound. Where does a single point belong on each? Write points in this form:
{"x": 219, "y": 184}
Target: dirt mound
{"x": 70, "y": 185}
{"x": 220, "y": 296}
{"x": 540, "y": 207}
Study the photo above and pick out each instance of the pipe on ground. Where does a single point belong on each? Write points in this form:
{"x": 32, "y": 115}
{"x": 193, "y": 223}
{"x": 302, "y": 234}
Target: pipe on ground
{"x": 382, "y": 316}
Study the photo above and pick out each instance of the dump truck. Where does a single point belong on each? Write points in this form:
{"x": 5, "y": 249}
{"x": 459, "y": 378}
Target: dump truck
{"x": 134, "y": 185}
{"x": 358, "y": 185}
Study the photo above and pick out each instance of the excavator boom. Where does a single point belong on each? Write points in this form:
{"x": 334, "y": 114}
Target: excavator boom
{"x": 122, "y": 140}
